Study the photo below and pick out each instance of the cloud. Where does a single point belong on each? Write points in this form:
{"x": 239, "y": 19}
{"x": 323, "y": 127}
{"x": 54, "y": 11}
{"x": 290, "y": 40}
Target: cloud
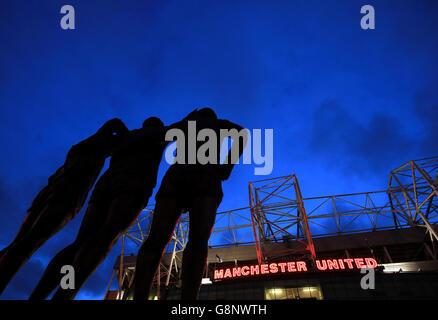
{"x": 426, "y": 109}
{"x": 13, "y": 203}
{"x": 21, "y": 285}
{"x": 98, "y": 281}
{"x": 361, "y": 146}
{"x": 9, "y": 210}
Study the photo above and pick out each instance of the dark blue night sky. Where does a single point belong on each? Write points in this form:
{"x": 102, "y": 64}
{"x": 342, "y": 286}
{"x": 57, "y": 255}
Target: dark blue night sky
{"x": 347, "y": 105}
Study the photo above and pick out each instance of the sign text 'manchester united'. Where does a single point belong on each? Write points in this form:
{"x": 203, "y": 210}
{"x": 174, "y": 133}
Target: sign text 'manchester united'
{"x": 293, "y": 266}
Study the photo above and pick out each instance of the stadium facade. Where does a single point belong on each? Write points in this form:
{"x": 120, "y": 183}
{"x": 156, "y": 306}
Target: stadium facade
{"x": 371, "y": 245}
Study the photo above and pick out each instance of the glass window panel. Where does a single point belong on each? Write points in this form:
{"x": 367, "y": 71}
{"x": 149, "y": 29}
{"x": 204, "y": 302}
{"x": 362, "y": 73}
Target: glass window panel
{"x": 309, "y": 292}
{"x": 275, "y": 294}
{"x": 304, "y": 293}
{"x": 292, "y": 293}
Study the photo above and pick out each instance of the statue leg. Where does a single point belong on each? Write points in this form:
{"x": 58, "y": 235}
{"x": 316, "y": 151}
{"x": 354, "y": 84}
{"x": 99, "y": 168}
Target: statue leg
{"x": 94, "y": 217}
{"x": 202, "y": 217}
{"x": 52, "y": 276}
{"x": 33, "y": 213}
{"x": 93, "y": 250}
{"x": 166, "y": 214}
{"x": 49, "y": 223}
{"x": 89, "y": 257}
{"x": 97, "y": 212}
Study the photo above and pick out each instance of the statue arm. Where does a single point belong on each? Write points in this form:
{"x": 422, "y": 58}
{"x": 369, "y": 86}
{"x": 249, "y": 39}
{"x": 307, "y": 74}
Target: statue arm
{"x": 110, "y": 132}
{"x": 238, "y": 145}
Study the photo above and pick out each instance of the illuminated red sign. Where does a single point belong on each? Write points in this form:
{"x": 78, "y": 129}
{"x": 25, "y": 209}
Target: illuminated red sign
{"x": 293, "y": 267}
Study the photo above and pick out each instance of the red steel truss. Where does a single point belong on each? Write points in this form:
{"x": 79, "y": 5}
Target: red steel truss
{"x": 279, "y": 221}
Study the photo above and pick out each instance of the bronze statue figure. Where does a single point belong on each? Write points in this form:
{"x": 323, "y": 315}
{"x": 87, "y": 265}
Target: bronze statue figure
{"x": 61, "y": 199}
{"x": 195, "y": 188}
{"x": 116, "y": 201}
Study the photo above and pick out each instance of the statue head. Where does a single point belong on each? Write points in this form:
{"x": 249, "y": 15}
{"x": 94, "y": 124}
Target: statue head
{"x": 113, "y": 127}
{"x": 207, "y": 113}
{"x": 153, "y": 122}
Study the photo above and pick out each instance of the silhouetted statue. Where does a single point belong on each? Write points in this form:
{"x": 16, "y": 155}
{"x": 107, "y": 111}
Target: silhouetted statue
{"x": 116, "y": 201}
{"x": 195, "y": 188}
{"x": 61, "y": 199}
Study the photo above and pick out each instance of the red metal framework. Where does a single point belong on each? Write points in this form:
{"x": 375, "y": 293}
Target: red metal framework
{"x": 280, "y": 222}
{"x": 278, "y": 215}
{"x": 413, "y": 194}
